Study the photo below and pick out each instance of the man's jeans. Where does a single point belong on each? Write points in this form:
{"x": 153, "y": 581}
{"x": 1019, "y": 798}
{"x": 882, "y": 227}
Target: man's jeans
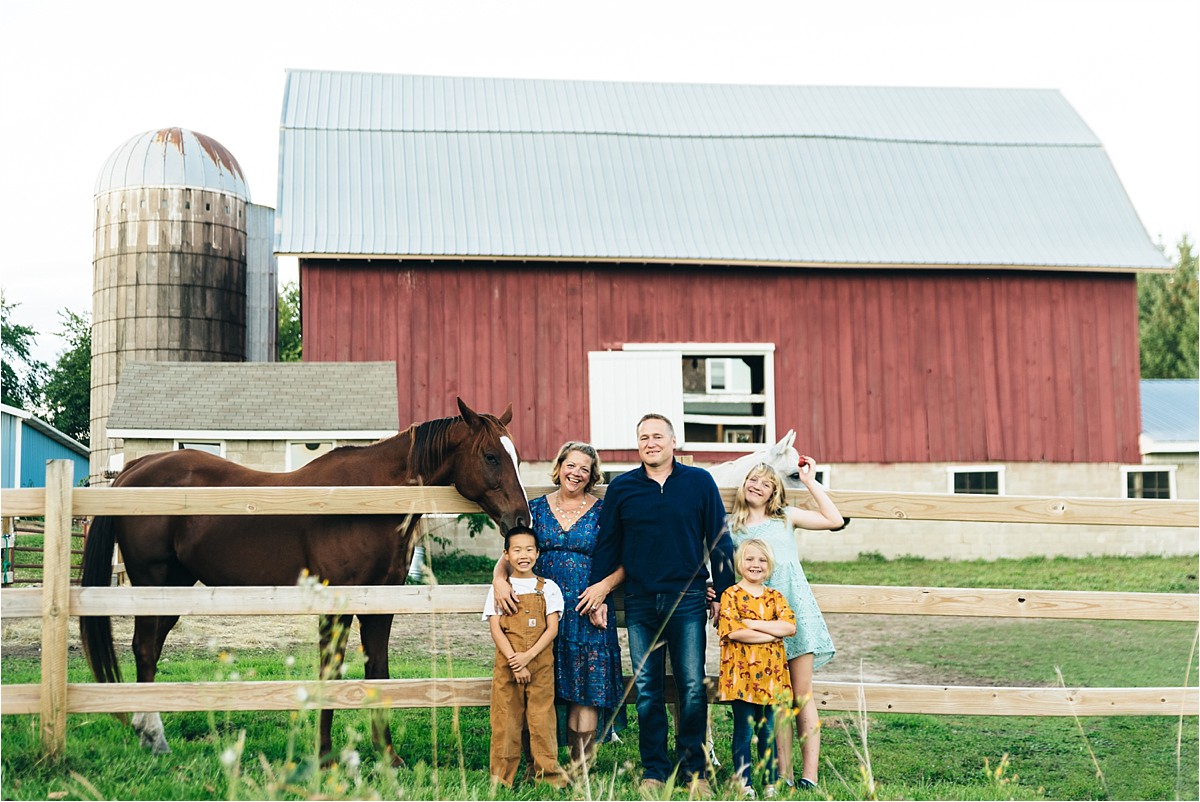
{"x": 678, "y": 623}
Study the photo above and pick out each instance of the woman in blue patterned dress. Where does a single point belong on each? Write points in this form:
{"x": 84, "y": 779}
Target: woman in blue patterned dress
{"x": 760, "y": 510}
{"x": 587, "y": 657}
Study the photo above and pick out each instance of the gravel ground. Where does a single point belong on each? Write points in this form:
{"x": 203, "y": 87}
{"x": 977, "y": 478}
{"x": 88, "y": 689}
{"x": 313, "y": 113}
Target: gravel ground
{"x": 860, "y": 640}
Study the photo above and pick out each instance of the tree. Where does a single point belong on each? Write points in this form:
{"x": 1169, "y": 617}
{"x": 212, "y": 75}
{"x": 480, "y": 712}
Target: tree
{"x": 68, "y": 391}
{"x": 288, "y": 341}
{"x": 21, "y": 375}
{"x": 1169, "y": 319}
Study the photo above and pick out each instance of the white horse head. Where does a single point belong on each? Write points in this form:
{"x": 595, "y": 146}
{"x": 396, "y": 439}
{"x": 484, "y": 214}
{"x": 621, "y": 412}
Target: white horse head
{"x": 781, "y": 456}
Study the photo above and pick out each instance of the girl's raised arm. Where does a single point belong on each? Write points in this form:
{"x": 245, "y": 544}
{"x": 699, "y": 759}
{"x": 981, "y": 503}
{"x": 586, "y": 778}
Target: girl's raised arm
{"x": 826, "y": 515}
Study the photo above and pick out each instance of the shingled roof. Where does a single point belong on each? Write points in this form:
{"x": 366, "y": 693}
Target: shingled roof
{"x": 398, "y": 166}
{"x": 266, "y": 400}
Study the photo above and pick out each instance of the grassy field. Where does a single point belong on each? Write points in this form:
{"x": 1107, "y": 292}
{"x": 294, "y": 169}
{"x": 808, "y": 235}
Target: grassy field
{"x": 266, "y": 755}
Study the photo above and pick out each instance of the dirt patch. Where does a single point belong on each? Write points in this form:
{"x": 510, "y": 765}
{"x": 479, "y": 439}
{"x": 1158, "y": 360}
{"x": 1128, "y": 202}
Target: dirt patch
{"x": 861, "y": 641}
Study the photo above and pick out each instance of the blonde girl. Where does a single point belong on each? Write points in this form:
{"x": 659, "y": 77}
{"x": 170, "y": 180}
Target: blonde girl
{"x": 760, "y": 511}
{"x": 752, "y": 623}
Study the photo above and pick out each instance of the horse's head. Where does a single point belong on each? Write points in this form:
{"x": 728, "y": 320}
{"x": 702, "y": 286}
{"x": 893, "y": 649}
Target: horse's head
{"x": 485, "y": 468}
{"x": 781, "y": 456}
{"x": 785, "y": 459}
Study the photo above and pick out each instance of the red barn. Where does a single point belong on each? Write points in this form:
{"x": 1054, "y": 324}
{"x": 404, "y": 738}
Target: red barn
{"x": 907, "y": 277}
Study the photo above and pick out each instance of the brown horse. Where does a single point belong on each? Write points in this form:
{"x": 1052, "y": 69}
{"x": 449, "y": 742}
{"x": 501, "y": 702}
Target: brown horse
{"x": 474, "y": 453}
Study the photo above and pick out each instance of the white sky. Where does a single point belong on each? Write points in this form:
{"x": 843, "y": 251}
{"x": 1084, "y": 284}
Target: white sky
{"x": 79, "y": 79}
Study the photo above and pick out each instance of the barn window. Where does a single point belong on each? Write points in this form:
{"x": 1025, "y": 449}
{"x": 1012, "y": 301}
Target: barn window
{"x": 216, "y": 447}
{"x": 302, "y": 452}
{"x": 720, "y": 396}
{"x": 977, "y": 480}
{"x": 1142, "y": 482}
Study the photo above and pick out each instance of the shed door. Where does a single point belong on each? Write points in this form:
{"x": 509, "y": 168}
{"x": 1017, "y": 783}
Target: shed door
{"x": 625, "y": 385}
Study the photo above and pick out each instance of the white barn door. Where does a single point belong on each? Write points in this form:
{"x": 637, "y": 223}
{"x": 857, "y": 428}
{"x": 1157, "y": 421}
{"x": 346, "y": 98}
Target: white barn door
{"x": 625, "y": 385}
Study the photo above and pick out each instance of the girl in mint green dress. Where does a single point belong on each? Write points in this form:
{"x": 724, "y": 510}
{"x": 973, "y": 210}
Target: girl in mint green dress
{"x": 760, "y": 510}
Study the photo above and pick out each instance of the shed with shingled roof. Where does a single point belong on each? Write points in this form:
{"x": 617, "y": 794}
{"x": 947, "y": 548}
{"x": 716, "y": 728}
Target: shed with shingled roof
{"x": 270, "y": 416}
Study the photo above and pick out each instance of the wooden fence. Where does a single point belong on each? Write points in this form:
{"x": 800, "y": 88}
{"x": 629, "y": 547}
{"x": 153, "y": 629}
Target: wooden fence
{"x": 56, "y": 601}
{"x": 30, "y": 573}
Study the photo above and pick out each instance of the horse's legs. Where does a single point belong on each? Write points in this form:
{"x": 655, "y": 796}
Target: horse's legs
{"x": 149, "y": 635}
{"x": 334, "y": 631}
{"x": 375, "y": 632}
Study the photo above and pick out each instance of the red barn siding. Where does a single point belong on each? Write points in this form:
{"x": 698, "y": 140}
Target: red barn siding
{"x": 870, "y": 366}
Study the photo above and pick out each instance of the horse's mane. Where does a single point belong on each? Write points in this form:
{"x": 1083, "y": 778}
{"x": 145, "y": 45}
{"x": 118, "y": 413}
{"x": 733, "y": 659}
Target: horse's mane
{"x": 431, "y": 442}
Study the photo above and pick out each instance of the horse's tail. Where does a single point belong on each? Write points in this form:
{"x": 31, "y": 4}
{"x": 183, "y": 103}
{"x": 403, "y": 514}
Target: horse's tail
{"x": 96, "y": 631}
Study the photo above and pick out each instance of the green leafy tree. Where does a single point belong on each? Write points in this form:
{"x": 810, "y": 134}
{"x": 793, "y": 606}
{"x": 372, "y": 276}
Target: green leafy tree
{"x": 21, "y": 375}
{"x": 288, "y": 340}
{"x": 68, "y": 390}
{"x": 1169, "y": 319}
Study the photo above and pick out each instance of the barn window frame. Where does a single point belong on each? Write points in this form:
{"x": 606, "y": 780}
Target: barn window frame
{"x": 954, "y": 471}
{"x": 1129, "y": 471}
{"x": 675, "y": 400}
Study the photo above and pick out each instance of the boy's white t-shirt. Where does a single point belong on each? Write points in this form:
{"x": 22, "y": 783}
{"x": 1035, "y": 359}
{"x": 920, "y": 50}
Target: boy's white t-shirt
{"x": 551, "y": 590}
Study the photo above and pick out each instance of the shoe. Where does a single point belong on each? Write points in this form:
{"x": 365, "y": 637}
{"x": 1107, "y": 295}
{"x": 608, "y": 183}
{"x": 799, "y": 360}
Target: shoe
{"x": 699, "y": 789}
{"x": 651, "y": 789}
{"x": 807, "y": 784}
{"x": 746, "y": 792}
{"x": 769, "y": 792}
{"x": 789, "y": 782}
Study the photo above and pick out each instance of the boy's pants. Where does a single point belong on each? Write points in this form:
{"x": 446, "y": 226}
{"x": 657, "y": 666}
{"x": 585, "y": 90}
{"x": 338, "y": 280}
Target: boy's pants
{"x": 514, "y": 704}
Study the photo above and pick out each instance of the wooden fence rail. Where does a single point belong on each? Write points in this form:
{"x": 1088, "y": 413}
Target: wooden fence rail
{"x": 468, "y": 599}
{"x": 56, "y": 601}
{"x": 88, "y": 501}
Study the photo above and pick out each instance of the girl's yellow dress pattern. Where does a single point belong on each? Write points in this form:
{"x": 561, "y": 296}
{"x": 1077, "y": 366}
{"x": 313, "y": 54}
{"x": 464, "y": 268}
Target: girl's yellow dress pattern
{"x": 753, "y": 672}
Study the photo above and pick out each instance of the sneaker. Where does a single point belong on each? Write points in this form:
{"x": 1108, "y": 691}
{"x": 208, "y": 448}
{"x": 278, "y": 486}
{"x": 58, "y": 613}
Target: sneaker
{"x": 807, "y": 784}
{"x": 769, "y": 792}
{"x": 746, "y": 792}
{"x": 699, "y": 789}
{"x": 651, "y": 789}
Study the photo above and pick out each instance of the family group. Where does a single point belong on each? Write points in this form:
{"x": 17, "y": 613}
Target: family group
{"x": 655, "y": 533}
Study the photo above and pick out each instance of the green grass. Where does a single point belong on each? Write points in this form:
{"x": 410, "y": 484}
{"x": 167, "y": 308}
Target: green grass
{"x": 1139, "y": 574}
{"x": 912, "y": 756}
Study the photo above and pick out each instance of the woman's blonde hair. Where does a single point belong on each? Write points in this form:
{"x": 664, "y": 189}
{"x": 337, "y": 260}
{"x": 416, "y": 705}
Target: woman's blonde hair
{"x": 776, "y": 504}
{"x": 762, "y": 546}
{"x": 586, "y": 449}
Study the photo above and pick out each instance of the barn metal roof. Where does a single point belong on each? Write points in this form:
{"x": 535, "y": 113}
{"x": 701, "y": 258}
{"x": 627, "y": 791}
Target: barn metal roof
{"x": 267, "y": 398}
{"x": 1170, "y": 413}
{"x": 402, "y": 165}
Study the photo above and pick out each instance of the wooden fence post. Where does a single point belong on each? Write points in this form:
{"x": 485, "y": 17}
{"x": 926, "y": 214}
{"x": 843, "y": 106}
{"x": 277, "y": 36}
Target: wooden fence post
{"x": 56, "y": 585}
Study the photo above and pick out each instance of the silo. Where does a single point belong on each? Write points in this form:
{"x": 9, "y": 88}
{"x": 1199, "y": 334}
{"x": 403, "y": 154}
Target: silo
{"x": 169, "y": 263}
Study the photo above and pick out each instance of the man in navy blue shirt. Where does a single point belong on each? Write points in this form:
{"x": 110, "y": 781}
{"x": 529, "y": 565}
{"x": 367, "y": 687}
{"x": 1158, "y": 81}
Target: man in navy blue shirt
{"x": 662, "y": 522}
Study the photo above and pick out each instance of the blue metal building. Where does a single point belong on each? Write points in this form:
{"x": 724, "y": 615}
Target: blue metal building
{"x": 27, "y": 443}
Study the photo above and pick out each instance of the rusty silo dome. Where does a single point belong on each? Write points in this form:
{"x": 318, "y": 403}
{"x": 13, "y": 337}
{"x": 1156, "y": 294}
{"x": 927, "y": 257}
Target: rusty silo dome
{"x": 172, "y": 157}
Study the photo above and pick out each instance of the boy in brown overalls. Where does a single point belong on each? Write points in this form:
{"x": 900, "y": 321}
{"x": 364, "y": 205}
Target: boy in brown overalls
{"x": 523, "y": 672}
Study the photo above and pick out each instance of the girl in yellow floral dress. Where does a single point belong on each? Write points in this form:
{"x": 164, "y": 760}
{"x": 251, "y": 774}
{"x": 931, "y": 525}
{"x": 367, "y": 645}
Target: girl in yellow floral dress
{"x": 754, "y": 620}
